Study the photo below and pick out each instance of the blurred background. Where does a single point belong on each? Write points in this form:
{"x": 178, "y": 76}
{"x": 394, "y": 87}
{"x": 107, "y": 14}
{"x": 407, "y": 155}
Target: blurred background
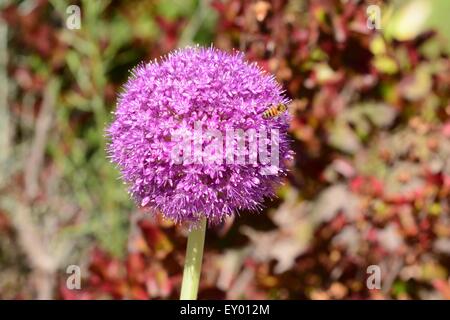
{"x": 368, "y": 190}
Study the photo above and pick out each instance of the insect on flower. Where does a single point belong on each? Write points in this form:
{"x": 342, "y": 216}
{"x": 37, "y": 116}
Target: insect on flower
{"x": 192, "y": 88}
{"x": 275, "y": 110}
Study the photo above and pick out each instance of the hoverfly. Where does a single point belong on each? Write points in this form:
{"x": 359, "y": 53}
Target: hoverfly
{"x": 274, "y": 110}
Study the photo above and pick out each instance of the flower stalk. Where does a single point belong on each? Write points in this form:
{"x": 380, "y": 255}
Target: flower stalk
{"x": 193, "y": 262}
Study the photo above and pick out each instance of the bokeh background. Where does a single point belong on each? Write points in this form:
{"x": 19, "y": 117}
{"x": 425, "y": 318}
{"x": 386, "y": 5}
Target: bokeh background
{"x": 370, "y": 183}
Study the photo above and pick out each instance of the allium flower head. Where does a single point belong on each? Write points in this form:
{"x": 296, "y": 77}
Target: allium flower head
{"x": 219, "y": 91}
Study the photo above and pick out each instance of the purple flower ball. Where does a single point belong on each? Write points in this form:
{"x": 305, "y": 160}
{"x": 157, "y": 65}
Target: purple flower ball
{"x": 218, "y": 91}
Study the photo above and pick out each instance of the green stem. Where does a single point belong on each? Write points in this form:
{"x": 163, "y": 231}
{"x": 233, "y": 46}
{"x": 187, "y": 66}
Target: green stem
{"x": 193, "y": 262}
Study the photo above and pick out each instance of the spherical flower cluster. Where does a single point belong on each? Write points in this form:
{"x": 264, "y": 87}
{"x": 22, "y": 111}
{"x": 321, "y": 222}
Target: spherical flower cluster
{"x": 206, "y": 86}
